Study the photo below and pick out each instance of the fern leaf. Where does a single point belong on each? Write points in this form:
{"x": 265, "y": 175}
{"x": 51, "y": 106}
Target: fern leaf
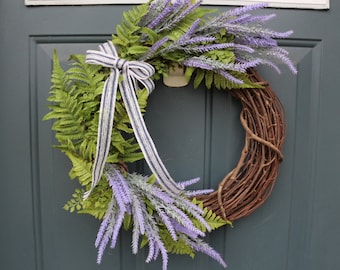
{"x": 57, "y": 73}
{"x": 209, "y": 78}
{"x": 188, "y": 73}
{"x": 133, "y": 157}
{"x": 136, "y": 49}
{"x": 176, "y": 247}
{"x": 133, "y": 16}
{"x": 76, "y": 203}
{"x": 210, "y": 217}
{"x": 152, "y": 35}
{"x": 96, "y": 212}
{"x": 87, "y": 149}
{"x": 199, "y": 77}
{"x": 81, "y": 169}
{"x": 122, "y": 35}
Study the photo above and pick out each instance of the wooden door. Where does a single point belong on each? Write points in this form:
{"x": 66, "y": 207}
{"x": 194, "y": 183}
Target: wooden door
{"x": 198, "y": 134}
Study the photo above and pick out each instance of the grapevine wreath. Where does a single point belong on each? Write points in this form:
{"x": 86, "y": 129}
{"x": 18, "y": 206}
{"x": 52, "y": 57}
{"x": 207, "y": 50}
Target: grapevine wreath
{"x": 98, "y": 105}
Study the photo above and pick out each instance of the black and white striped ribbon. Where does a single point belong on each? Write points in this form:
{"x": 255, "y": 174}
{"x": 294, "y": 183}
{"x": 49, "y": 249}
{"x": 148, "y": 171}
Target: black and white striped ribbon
{"x": 132, "y": 72}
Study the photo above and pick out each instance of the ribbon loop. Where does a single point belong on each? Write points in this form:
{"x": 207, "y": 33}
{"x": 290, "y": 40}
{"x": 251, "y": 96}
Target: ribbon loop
{"x": 133, "y": 73}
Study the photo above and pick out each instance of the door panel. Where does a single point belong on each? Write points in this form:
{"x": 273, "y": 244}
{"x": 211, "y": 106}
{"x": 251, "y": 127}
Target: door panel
{"x": 197, "y": 133}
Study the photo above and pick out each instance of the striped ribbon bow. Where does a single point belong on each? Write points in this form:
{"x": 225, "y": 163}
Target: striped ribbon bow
{"x": 132, "y": 73}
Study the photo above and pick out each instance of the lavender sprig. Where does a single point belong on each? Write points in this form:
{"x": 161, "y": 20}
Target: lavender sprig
{"x": 241, "y": 10}
{"x": 203, "y": 61}
{"x": 153, "y": 49}
{"x": 160, "y": 17}
{"x": 212, "y": 47}
{"x": 206, "y": 249}
{"x": 236, "y": 13}
{"x": 189, "y": 182}
{"x": 133, "y": 195}
{"x": 256, "y": 42}
{"x": 189, "y": 33}
{"x": 256, "y": 19}
{"x": 155, "y": 8}
{"x": 169, "y": 24}
{"x": 164, "y": 15}
{"x": 243, "y": 30}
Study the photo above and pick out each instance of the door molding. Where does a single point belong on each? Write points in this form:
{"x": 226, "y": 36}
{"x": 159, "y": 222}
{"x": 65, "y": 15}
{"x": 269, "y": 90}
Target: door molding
{"x": 304, "y": 4}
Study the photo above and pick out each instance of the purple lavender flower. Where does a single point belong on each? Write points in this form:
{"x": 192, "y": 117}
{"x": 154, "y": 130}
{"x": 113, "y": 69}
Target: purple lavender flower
{"x": 206, "y": 249}
{"x": 181, "y": 229}
{"x": 243, "y": 30}
{"x": 102, "y": 247}
{"x": 169, "y": 24}
{"x": 277, "y": 53}
{"x": 166, "y": 220}
{"x": 151, "y": 250}
{"x": 197, "y": 63}
{"x": 190, "y": 31}
{"x": 190, "y": 182}
{"x": 160, "y": 17}
{"x": 195, "y": 40}
{"x": 241, "y": 19}
{"x": 189, "y": 9}
{"x": 256, "y": 42}
{"x": 153, "y": 49}
{"x": 195, "y": 193}
{"x": 120, "y": 188}
{"x": 129, "y": 193}
{"x": 155, "y": 8}
{"x": 137, "y": 212}
{"x": 238, "y": 11}
{"x": 105, "y": 232}
{"x": 247, "y": 19}
{"x": 218, "y": 46}
{"x": 256, "y": 19}
{"x": 115, "y": 232}
{"x": 102, "y": 229}
{"x": 250, "y": 64}
{"x": 229, "y": 77}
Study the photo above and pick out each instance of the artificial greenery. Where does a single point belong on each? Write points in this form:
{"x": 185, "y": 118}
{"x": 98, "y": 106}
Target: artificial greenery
{"x": 215, "y": 51}
{"x": 75, "y": 98}
{"x": 132, "y": 32}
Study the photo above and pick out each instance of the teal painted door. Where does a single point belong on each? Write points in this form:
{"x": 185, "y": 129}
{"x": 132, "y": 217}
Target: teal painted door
{"x": 198, "y": 134}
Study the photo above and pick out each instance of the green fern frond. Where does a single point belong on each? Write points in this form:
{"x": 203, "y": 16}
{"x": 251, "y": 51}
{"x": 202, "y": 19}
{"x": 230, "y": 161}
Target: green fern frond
{"x": 132, "y": 157}
{"x": 127, "y": 33}
{"x": 199, "y": 77}
{"x": 81, "y": 169}
{"x": 76, "y": 203}
{"x": 183, "y": 25}
{"x": 151, "y": 35}
{"x": 179, "y": 247}
{"x": 96, "y": 212}
{"x": 87, "y": 149}
{"x": 58, "y": 75}
{"x": 81, "y": 72}
{"x": 210, "y": 217}
{"x": 75, "y": 100}
{"x": 213, "y": 79}
{"x": 97, "y": 204}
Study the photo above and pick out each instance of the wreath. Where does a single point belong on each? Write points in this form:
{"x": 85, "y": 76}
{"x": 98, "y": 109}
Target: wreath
{"x": 98, "y": 104}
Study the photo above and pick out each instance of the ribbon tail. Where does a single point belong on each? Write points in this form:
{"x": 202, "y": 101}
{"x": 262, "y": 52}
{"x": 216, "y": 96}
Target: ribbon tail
{"x": 105, "y": 124}
{"x": 144, "y": 139}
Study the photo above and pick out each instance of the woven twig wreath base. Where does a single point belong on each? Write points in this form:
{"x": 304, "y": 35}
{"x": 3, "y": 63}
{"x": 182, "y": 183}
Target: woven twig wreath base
{"x": 250, "y": 183}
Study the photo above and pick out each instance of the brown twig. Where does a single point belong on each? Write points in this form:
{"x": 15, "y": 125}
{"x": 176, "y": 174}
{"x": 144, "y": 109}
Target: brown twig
{"x": 250, "y": 183}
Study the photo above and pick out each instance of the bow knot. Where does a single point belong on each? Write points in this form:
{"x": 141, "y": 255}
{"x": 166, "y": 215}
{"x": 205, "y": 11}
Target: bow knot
{"x": 132, "y": 73}
{"x": 121, "y": 64}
